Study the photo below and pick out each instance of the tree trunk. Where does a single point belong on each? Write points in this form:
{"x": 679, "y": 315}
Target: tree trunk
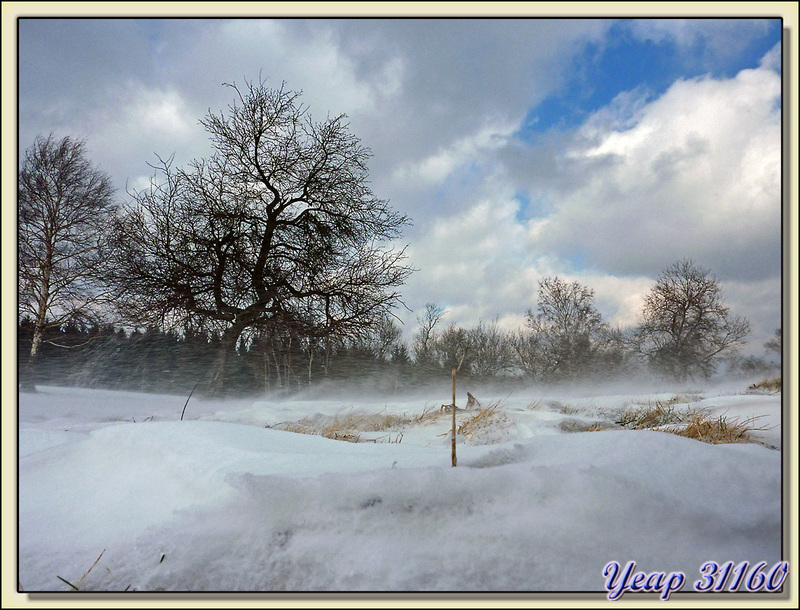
{"x": 27, "y": 381}
{"x": 225, "y": 352}
{"x": 27, "y": 374}
{"x": 279, "y": 384}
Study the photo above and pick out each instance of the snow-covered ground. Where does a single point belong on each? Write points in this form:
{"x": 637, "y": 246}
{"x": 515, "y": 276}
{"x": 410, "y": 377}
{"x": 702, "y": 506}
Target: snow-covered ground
{"x": 229, "y": 500}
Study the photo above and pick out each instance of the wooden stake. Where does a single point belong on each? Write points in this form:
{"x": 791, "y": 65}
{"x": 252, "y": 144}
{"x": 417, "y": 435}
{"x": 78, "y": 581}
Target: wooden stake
{"x": 453, "y": 450}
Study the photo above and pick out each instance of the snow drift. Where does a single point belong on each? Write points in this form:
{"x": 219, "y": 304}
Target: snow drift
{"x": 221, "y": 502}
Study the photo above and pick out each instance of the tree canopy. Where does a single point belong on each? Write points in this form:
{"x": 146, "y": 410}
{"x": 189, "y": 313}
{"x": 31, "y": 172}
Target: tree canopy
{"x": 686, "y": 325}
{"x": 277, "y": 227}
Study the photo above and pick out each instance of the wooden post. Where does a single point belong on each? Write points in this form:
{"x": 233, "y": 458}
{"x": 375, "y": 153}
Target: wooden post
{"x": 453, "y": 451}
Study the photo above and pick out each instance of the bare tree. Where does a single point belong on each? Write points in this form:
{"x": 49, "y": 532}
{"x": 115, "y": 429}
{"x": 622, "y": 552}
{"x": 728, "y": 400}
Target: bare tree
{"x": 64, "y": 205}
{"x": 686, "y": 325}
{"x": 384, "y": 338}
{"x": 278, "y": 226}
{"x": 423, "y": 344}
{"x": 452, "y": 348}
{"x": 566, "y": 338}
{"x": 491, "y": 349}
{"x": 529, "y": 351}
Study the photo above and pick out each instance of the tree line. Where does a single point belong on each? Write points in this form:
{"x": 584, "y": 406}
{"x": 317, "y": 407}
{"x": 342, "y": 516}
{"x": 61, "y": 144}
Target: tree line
{"x": 170, "y": 361}
{"x": 267, "y": 266}
{"x": 565, "y": 339}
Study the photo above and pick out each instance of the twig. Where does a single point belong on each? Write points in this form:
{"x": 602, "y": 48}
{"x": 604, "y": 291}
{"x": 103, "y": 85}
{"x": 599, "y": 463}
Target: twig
{"x": 187, "y": 401}
{"x": 90, "y": 569}
{"x": 68, "y": 582}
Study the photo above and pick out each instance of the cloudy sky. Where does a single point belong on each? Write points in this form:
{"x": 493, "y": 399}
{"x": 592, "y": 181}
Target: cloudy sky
{"x": 599, "y": 150}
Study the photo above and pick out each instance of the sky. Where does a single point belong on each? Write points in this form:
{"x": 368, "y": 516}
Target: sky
{"x": 599, "y": 150}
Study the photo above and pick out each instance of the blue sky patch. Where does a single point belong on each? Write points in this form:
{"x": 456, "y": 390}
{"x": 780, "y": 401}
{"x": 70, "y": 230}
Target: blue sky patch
{"x": 625, "y": 61}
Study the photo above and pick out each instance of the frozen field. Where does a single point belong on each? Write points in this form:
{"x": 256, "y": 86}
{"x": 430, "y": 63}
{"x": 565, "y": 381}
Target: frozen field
{"x": 547, "y": 491}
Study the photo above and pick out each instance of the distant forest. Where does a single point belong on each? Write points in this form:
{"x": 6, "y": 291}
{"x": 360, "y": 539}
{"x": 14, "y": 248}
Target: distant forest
{"x": 154, "y": 360}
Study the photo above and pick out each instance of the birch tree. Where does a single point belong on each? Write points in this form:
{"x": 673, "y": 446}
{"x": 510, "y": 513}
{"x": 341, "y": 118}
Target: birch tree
{"x": 64, "y": 207}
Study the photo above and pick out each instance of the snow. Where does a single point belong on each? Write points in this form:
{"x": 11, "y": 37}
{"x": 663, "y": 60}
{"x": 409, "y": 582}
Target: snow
{"x": 227, "y": 500}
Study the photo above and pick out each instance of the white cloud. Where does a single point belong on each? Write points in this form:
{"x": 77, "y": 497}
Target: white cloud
{"x": 474, "y": 148}
{"x": 470, "y": 262}
{"x": 619, "y": 299}
{"x": 478, "y": 264}
{"x": 698, "y": 175}
{"x": 150, "y": 121}
{"x": 313, "y": 60}
{"x": 159, "y": 113}
{"x": 772, "y": 59}
{"x": 713, "y": 39}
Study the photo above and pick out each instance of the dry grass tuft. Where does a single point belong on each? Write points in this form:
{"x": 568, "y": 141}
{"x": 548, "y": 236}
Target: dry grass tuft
{"x": 575, "y": 425}
{"x": 350, "y": 426}
{"x": 560, "y": 407}
{"x": 478, "y": 421}
{"x": 398, "y": 438}
{"x": 299, "y": 427}
{"x": 429, "y": 414}
{"x": 341, "y": 435}
{"x": 697, "y": 424}
{"x": 487, "y": 426}
{"x": 85, "y": 574}
{"x": 601, "y": 426}
{"x": 651, "y": 416}
{"x": 717, "y": 430}
{"x": 767, "y": 386}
